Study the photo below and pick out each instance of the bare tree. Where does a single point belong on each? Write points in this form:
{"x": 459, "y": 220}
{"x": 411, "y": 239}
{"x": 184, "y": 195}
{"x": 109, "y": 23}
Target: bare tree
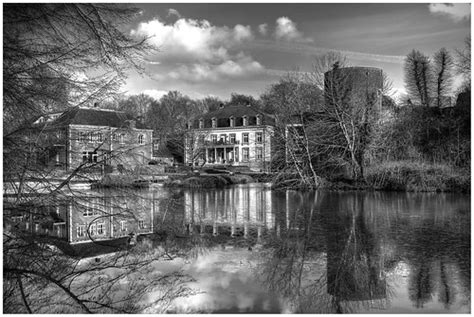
{"x": 463, "y": 63}
{"x": 136, "y": 105}
{"x": 169, "y": 118}
{"x": 417, "y": 77}
{"x": 292, "y": 101}
{"x": 442, "y": 76}
{"x": 76, "y": 48}
{"x": 327, "y": 132}
{"x": 324, "y": 63}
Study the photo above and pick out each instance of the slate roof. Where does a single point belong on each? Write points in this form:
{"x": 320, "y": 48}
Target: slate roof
{"x": 238, "y": 112}
{"x": 95, "y": 117}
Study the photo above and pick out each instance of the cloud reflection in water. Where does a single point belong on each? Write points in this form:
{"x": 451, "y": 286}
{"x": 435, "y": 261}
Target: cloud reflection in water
{"x": 227, "y": 285}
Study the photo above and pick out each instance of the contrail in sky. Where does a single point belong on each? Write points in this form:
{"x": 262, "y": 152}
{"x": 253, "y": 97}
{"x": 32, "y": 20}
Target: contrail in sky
{"x": 310, "y": 49}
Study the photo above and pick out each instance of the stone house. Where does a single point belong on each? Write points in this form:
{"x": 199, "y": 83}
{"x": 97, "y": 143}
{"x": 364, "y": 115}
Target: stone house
{"x": 91, "y": 137}
{"x": 231, "y": 136}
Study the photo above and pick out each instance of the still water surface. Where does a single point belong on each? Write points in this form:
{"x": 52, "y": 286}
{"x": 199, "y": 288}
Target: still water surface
{"x": 323, "y": 252}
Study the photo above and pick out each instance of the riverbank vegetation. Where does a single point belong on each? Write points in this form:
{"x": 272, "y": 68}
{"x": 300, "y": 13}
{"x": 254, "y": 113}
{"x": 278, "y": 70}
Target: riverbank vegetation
{"x": 423, "y": 142}
{"x": 209, "y": 181}
{"x": 418, "y": 176}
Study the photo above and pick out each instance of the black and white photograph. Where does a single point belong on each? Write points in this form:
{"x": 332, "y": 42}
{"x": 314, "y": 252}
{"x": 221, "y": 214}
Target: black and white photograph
{"x": 230, "y": 158}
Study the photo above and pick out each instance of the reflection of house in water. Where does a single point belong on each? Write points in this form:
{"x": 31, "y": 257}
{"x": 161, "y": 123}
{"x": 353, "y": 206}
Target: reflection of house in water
{"x": 91, "y": 217}
{"x": 354, "y": 256}
{"x": 240, "y": 209}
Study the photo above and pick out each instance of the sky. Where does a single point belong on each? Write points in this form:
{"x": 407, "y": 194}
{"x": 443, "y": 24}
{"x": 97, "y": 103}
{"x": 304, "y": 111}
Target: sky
{"x": 211, "y": 49}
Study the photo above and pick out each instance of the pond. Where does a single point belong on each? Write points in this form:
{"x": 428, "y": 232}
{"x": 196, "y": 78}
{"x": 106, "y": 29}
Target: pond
{"x": 251, "y": 249}
{"x": 327, "y": 252}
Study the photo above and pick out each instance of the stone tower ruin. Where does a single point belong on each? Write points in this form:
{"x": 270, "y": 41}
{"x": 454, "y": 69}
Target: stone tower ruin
{"x": 351, "y": 85}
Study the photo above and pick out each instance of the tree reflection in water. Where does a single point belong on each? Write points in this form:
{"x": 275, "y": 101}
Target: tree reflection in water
{"x": 337, "y": 252}
{"x": 438, "y": 252}
{"x": 355, "y": 263}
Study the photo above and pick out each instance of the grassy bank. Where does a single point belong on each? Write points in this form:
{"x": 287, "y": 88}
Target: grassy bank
{"x": 418, "y": 177}
{"x": 209, "y": 181}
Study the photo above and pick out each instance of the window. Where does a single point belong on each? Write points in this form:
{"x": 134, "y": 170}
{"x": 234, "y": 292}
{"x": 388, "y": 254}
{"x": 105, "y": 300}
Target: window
{"x": 214, "y": 122}
{"x": 201, "y": 123}
{"x": 232, "y": 138}
{"x": 100, "y": 137}
{"x": 214, "y": 138}
{"x": 259, "y": 119}
{"x": 222, "y": 138}
{"x": 141, "y": 224}
{"x": 83, "y": 137}
{"x": 122, "y": 139}
{"x": 89, "y": 211}
{"x": 202, "y": 139}
{"x": 81, "y": 230}
{"x": 123, "y": 225}
{"x": 258, "y": 154}
{"x": 114, "y": 137}
{"x": 93, "y": 229}
{"x": 141, "y": 139}
{"x": 245, "y": 154}
{"x": 259, "y": 137}
{"x": 245, "y": 120}
{"x": 245, "y": 138}
{"x": 89, "y": 157}
{"x": 101, "y": 228}
{"x": 232, "y": 121}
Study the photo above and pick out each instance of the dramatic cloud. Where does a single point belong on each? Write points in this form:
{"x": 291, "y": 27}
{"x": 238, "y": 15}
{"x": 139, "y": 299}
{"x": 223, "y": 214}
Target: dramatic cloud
{"x": 286, "y": 30}
{"x": 456, "y": 11}
{"x": 173, "y": 12}
{"x": 197, "y": 50}
{"x": 198, "y": 72}
{"x": 190, "y": 39}
{"x": 263, "y": 29}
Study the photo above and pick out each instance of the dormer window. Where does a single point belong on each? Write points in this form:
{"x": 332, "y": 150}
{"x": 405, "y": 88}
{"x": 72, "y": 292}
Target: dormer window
{"x": 214, "y": 122}
{"x": 201, "y": 123}
{"x": 259, "y": 119}
{"x": 245, "y": 121}
{"x": 232, "y": 121}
